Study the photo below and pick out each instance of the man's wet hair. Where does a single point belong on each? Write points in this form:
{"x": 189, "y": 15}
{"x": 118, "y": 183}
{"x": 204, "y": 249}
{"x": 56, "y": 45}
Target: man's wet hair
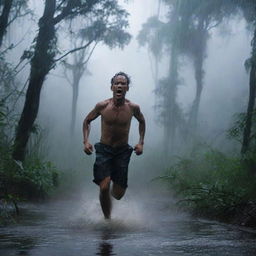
{"x": 121, "y": 74}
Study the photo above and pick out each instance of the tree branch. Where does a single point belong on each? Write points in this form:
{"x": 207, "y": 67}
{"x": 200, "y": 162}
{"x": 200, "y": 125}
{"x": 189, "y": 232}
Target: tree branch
{"x": 19, "y": 95}
{"x": 90, "y": 54}
{"x": 65, "y": 12}
{"x": 74, "y": 50}
{"x": 18, "y": 16}
{"x": 214, "y": 25}
{"x": 60, "y": 4}
{"x": 72, "y": 5}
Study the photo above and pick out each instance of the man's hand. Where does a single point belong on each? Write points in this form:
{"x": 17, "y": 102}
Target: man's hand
{"x": 88, "y": 149}
{"x": 138, "y": 149}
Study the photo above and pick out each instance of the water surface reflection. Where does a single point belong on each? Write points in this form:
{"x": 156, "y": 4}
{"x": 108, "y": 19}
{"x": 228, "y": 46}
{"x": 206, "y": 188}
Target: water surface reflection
{"x": 51, "y": 233}
{"x": 105, "y": 247}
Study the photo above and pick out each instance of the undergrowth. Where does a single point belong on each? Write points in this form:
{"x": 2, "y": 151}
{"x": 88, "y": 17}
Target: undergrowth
{"x": 211, "y": 183}
{"x": 33, "y": 180}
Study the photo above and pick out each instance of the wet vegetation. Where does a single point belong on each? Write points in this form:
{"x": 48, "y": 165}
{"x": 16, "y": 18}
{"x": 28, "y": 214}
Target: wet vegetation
{"x": 214, "y": 185}
{"x": 35, "y": 178}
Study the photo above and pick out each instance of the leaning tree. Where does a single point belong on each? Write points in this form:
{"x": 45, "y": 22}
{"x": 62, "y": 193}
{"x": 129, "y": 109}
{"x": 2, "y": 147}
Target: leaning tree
{"x": 45, "y": 51}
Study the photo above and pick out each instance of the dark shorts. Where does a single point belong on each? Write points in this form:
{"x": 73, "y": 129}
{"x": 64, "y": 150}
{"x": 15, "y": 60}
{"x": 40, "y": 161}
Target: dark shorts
{"x": 113, "y": 162}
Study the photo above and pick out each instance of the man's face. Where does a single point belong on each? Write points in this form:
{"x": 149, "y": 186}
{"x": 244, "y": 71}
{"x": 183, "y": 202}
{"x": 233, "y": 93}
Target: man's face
{"x": 119, "y": 87}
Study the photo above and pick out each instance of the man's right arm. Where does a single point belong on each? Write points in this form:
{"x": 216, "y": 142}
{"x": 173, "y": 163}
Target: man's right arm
{"x": 88, "y": 148}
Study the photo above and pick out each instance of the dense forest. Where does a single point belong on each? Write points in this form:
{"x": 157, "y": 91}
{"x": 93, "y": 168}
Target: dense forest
{"x": 208, "y": 181}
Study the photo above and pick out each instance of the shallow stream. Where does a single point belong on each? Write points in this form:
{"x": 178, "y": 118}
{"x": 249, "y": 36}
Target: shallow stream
{"x": 141, "y": 225}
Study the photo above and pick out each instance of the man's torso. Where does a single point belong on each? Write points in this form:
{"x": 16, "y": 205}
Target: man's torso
{"x": 115, "y": 123}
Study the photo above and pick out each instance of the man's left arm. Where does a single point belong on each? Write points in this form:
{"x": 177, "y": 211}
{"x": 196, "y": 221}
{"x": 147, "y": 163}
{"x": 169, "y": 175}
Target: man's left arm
{"x": 142, "y": 128}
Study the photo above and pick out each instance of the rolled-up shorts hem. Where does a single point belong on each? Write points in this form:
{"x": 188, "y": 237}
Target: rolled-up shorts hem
{"x": 97, "y": 182}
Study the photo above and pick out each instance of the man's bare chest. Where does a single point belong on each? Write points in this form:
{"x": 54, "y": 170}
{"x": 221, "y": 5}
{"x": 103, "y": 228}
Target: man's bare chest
{"x": 120, "y": 116}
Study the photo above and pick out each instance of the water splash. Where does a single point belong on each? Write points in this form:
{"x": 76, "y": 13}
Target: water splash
{"x": 127, "y": 215}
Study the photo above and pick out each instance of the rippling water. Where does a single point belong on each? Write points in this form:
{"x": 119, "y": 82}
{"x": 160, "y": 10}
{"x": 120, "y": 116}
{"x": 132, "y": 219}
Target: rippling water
{"x": 141, "y": 225}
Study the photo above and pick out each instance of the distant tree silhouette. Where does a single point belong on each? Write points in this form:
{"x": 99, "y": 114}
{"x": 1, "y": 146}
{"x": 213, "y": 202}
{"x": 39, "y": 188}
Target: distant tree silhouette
{"x": 110, "y": 34}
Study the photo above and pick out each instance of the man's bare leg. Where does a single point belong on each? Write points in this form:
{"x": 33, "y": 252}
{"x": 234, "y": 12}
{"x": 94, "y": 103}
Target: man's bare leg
{"x": 105, "y": 200}
{"x": 117, "y": 191}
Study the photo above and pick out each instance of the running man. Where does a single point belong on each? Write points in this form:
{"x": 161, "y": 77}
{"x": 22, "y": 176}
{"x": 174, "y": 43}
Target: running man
{"x": 113, "y": 151}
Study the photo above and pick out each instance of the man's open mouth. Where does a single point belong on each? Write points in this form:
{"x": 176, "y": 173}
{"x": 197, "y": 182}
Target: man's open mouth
{"x": 119, "y": 92}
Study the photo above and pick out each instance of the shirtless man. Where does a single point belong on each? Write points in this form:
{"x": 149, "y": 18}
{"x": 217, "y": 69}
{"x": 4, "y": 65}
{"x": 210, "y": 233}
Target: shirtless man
{"x": 113, "y": 152}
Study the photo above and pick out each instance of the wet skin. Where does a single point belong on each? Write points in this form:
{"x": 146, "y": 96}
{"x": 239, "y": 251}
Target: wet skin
{"x": 116, "y": 114}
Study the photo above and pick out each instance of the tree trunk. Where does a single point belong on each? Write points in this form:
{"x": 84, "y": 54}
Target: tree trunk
{"x": 41, "y": 64}
{"x": 199, "y": 87}
{"x": 250, "y": 108}
{"x": 157, "y": 56}
{"x": 171, "y": 93}
{"x": 170, "y": 102}
{"x": 198, "y": 58}
{"x": 4, "y": 18}
{"x": 251, "y": 102}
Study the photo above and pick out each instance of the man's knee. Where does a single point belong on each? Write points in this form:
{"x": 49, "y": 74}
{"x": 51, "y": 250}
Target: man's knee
{"x": 104, "y": 185}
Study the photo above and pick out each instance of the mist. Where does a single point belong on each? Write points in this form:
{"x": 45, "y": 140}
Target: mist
{"x": 105, "y": 62}
{"x": 223, "y": 77}
{"x": 148, "y": 200}
{"x": 225, "y": 93}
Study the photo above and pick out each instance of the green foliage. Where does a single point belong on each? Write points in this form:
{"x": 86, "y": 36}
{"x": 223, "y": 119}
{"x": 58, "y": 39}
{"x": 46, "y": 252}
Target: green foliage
{"x": 211, "y": 184}
{"x": 42, "y": 176}
{"x": 154, "y": 34}
{"x": 37, "y": 178}
{"x": 111, "y": 34}
{"x": 237, "y": 129}
{"x": 248, "y": 8}
{"x": 105, "y": 23}
{"x": 34, "y": 180}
